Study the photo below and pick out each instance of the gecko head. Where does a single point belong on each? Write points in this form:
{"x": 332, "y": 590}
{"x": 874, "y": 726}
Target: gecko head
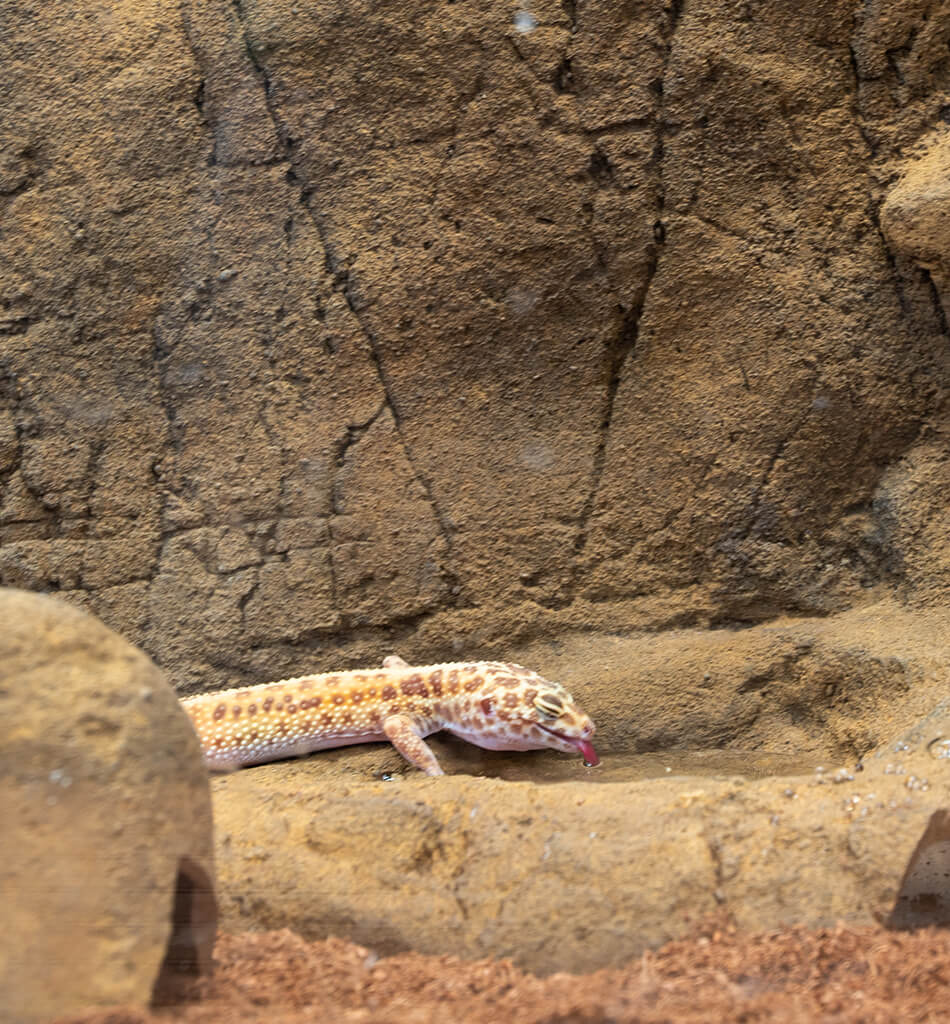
{"x": 521, "y": 710}
{"x": 557, "y": 718}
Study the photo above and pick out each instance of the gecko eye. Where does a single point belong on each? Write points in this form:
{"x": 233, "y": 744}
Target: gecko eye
{"x": 550, "y": 705}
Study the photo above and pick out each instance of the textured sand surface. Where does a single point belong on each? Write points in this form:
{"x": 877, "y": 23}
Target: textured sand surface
{"x": 865, "y": 975}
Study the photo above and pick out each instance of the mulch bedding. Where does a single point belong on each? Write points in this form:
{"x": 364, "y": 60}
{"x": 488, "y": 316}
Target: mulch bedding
{"x": 717, "y": 974}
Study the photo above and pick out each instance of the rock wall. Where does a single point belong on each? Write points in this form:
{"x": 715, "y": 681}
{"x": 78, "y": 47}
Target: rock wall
{"x": 330, "y": 328}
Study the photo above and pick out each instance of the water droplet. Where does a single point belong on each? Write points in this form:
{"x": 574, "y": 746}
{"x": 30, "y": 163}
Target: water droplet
{"x": 939, "y": 748}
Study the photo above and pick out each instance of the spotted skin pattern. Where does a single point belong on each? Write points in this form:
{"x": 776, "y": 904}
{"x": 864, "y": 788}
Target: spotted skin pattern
{"x": 496, "y": 705}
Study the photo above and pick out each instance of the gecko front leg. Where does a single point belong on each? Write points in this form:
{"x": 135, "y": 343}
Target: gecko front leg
{"x": 403, "y": 734}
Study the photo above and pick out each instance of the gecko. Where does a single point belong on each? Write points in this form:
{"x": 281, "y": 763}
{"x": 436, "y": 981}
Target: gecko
{"x": 495, "y": 705}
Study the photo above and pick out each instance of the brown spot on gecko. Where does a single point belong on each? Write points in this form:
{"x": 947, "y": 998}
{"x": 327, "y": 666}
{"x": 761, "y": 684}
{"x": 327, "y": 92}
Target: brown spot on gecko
{"x": 338, "y": 698}
{"x": 472, "y": 684}
{"x": 268, "y": 701}
{"x": 326, "y": 718}
{"x": 394, "y": 709}
{"x": 236, "y": 710}
{"x": 508, "y": 681}
{"x": 333, "y": 680}
{"x": 488, "y": 705}
{"x": 291, "y": 709}
{"x": 415, "y": 686}
{"x": 348, "y": 718}
{"x": 219, "y": 712}
{"x": 389, "y": 693}
{"x": 252, "y": 709}
{"x": 371, "y": 692}
{"x": 435, "y": 681}
{"x": 454, "y": 681}
{"x": 511, "y": 700}
{"x": 529, "y": 696}
{"x": 356, "y": 697}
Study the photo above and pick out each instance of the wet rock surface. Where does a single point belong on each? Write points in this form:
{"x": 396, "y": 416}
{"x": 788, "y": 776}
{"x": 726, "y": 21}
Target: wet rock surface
{"x": 106, "y": 838}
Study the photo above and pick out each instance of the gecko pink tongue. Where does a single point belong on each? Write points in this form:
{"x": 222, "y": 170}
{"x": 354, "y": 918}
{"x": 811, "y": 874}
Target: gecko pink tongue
{"x": 590, "y": 755}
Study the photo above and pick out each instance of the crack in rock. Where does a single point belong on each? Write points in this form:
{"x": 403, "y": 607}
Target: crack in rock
{"x": 343, "y": 285}
{"x": 625, "y": 342}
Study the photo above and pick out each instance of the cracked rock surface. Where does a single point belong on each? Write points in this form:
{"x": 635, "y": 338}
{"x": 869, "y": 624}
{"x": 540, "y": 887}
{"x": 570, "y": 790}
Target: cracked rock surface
{"x": 325, "y": 330}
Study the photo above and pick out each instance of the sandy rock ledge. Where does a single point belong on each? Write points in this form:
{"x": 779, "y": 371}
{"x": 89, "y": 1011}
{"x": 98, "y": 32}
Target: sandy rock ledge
{"x": 586, "y": 873}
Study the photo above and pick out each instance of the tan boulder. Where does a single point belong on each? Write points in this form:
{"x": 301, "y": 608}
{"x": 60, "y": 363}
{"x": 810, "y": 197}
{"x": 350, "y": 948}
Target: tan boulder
{"x": 106, "y": 859}
{"x": 915, "y": 215}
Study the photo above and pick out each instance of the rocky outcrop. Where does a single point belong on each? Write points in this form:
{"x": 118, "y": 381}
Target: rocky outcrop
{"x": 106, "y": 860}
{"x": 326, "y": 327}
{"x": 915, "y": 218}
{"x": 832, "y": 742}
{"x": 462, "y": 330}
